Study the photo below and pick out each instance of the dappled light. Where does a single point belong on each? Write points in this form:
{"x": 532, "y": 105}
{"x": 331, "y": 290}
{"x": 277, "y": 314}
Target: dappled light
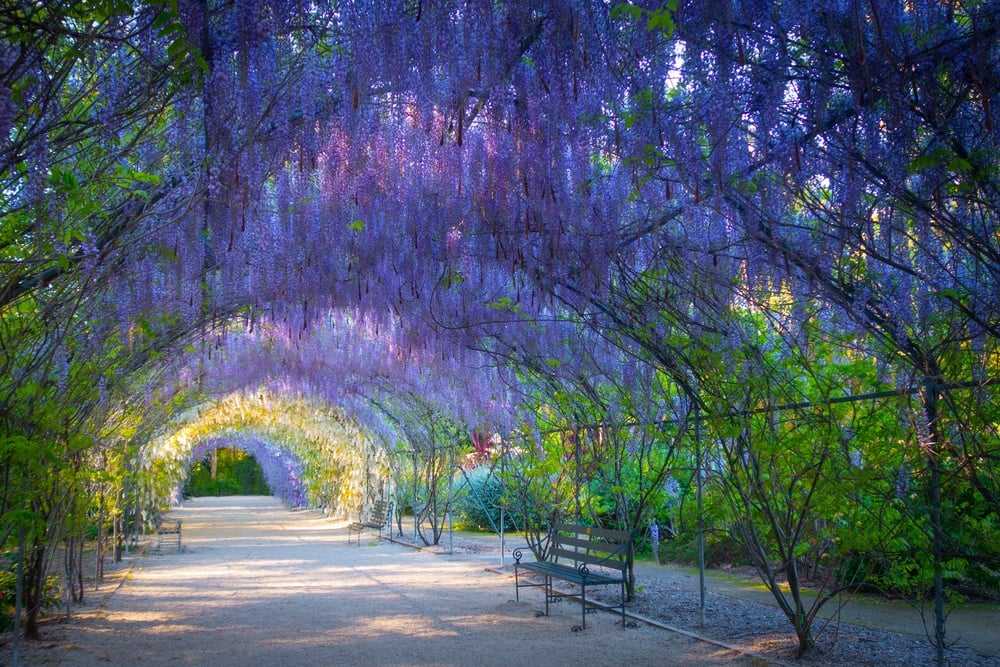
{"x": 236, "y": 596}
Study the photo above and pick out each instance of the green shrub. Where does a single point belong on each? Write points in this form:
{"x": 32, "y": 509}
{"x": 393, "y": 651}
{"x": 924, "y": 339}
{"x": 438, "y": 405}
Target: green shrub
{"x": 237, "y": 473}
{"x": 8, "y": 593}
{"x": 720, "y": 550}
{"x": 477, "y": 501}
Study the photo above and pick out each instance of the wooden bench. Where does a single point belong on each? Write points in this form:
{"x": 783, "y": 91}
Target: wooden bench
{"x": 583, "y": 555}
{"x": 167, "y": 532}
{"x": 376, "y": 521}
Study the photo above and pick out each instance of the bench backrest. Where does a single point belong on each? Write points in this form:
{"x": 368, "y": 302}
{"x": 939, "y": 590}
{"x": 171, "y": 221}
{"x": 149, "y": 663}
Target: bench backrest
{"x": 589, "y": 545}
{"x": 378, "y": 512}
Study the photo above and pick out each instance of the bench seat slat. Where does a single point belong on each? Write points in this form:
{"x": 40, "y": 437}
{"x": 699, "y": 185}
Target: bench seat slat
{"x": 571, "y": 573}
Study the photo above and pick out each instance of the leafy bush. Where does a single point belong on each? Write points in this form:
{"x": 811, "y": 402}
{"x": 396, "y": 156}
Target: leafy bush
{"x": 477, "y": 501}
{"x": 237, "y": 473}
{"x": 8, "y": 594}
{"x": 720, "y": 550}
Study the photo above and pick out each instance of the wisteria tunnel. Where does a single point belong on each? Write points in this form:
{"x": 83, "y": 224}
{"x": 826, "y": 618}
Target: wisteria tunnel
{"x": 309, "y": 454}
{"x": 727, "y": 271}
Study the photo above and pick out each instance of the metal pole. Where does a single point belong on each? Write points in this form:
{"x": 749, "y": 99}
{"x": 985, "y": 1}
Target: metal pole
{"x": 701, "y": 516}
{"x": 576, "y": 460}
{"x": 503, "y": 495}
{"x": 415, "y": 492}
{"x": 451, "y": 480}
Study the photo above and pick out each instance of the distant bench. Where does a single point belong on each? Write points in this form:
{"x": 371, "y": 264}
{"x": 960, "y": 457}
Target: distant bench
{"x": 376, "y": 520}
{"x": 167, "y": 532}
{"x": 573, "y": 551}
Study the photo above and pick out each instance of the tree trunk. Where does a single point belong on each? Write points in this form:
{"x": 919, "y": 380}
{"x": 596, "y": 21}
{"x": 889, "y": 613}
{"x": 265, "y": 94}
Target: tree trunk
{"x": 802, "y": 621}
{"x": 932, "y": 449}
{"x": 34, "y": 588}
{"x": 74, "y": 568}
{"x": 630, "y": 580}
{"x": 99, "y": 573}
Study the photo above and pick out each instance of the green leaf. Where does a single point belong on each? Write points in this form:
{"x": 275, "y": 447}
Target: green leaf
{"x": 202, "y": 64}
{"x": 144, "y": 177}
{"x": 357, "y": 225}
{"x": 453, "y": 278}
{"x": 142, "y": 324}
{"x": 626, "y": 10}
{"x": 164, "y": 18}
{"x": 63, "y": 179}
{"x": 921, "y": 163}
{"x": 170, "y": 28}
{"x": 959, "y": 164}
{"x": 662, "y": 20}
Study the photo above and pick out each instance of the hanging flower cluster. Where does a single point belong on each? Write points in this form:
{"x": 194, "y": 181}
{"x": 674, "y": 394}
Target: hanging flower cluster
{"x": 482, "y": 204}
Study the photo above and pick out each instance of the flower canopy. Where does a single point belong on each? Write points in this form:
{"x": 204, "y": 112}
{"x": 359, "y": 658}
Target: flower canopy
{"x": 379, "y": 209}
{"x": 310, "y": 454}
{"x": 326, "y": 231}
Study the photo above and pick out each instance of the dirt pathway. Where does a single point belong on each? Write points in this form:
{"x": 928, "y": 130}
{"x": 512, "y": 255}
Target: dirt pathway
{"x": 258, "y": 585}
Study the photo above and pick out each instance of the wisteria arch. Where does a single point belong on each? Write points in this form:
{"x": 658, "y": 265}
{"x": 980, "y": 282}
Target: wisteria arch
{"x": 348, "y": 359}
{"x": 441, "y": 199}
{"x": 312, "y": 454}
{"x": 281, "y": 467}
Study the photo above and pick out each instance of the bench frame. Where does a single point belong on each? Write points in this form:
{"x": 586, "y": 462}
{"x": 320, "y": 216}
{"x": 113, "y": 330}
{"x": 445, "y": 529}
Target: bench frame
{"x": 376, "y": 520}
{"x": 573, "y": 551}
{"x": 167, "y": 531}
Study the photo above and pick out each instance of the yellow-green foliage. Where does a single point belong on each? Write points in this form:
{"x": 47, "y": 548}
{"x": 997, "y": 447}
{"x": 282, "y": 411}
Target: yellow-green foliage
{"x": 341, "y": 462}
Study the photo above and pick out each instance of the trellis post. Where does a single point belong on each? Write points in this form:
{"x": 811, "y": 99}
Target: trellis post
{"x": 701, "y": 515}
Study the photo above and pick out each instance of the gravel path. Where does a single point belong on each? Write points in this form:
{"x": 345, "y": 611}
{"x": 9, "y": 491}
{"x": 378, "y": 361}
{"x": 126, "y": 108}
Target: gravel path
{"x": 741, "y": 615}
{"x": 257, "y": 584}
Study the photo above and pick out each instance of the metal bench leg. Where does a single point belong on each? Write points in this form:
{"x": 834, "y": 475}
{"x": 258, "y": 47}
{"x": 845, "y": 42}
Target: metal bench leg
{"x": 623, "y": 602}
{"x": 548, "y": 593}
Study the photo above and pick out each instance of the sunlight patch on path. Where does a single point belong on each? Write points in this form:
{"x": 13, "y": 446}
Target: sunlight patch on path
{"x": 257, "y": 584}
